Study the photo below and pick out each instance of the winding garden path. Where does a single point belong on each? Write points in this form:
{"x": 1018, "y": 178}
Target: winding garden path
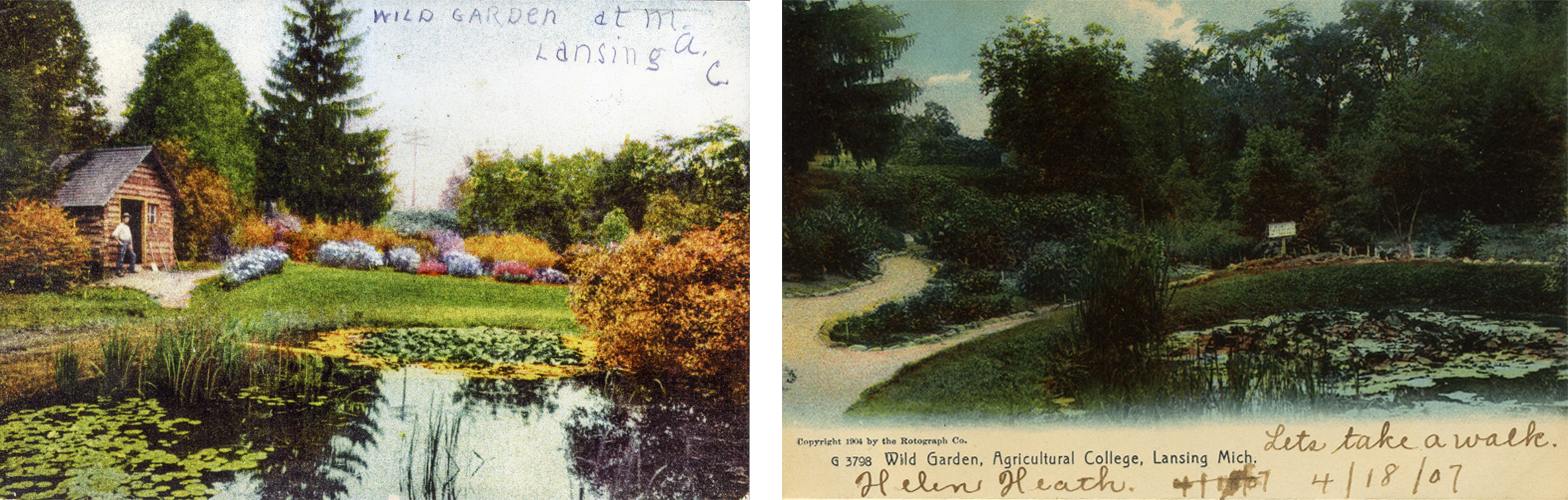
{"x": 169, "y": 288}
{"x": 826, "y": 379}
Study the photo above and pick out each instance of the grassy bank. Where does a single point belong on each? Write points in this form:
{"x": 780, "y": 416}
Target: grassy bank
{"x": 1029, "y": 368}
{"x": 387, "y": 298}
{"x": 75, "y": 308}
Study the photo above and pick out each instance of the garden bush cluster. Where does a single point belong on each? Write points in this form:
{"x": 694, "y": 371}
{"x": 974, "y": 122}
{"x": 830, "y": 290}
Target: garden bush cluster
{"x": 353, "y": 254}
{"x": 40, "y": 248}
{"x": 422, "y": 244}
{"x": 512, "y": 247}
{"x": 671, "y": 311}
{"x": 837, "y": 239}
{"x": 253, "y": 264}
{"x": 959, "y": 295}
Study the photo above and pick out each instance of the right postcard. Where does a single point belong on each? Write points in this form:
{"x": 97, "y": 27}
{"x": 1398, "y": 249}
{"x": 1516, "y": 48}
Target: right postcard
{"x": 1175, "y": 249}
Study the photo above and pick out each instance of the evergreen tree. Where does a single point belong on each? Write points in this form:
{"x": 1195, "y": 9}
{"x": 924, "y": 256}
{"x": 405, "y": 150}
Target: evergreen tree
{"x": 308, "y": 158}
{"x": 191, "y": 90}
{"x": 835, "y": 95}
{"x": 49, "y": 95}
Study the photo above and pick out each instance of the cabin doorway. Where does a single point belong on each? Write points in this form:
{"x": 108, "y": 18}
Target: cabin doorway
{"x": 134, "y": 208}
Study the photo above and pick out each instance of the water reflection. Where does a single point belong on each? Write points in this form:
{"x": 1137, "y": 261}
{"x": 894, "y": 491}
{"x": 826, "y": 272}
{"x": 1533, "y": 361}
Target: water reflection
{"x": 421, "y": 434}
{"x": 661, "y": 446}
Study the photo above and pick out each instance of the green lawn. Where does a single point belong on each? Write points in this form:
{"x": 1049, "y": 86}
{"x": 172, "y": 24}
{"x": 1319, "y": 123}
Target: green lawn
{"x": 387, "y": 298}
{"x": 75, "y": 308}
{"x": 1016, "y": 371}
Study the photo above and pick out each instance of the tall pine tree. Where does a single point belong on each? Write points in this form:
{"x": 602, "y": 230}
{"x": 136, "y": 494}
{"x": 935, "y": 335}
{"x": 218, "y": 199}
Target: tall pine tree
{"x": 308, "y": 157}
{"x": 192, "y": 91}
{"x": 49, "y": 95}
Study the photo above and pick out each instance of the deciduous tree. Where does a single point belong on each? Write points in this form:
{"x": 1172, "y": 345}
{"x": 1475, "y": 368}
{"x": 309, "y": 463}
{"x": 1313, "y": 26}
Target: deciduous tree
{"x": 192, "y": 91}
{"x": 207, "y": 207}
{"x": 1055, "y": 102}
{"x": 49, "y": 95}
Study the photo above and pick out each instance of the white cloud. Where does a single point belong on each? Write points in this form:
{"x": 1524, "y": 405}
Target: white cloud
{"x": 1172, "y": 23}
{"x": 946, "y": 79}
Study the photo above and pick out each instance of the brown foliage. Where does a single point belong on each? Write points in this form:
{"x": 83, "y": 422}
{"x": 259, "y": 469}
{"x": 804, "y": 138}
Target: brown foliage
{"x": 671, "y": 311}
{"x": 207, "y": 207}
{"x": 40, "y": 248}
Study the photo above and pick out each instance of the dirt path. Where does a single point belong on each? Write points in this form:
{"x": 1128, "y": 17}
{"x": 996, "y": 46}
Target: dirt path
{"x": 169, "y": 288}
{"x": 826, "y": 380}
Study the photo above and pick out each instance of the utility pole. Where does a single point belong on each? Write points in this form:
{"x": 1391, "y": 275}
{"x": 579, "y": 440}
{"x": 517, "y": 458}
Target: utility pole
{"x": 416, "y": 140}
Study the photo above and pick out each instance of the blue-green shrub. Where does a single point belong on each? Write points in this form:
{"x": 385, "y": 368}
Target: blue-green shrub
{"x": 352, "y": 254}
{"x": 404, "y": 259}
{"x": 462, "y": 265}
{"x": 253, "y": 264}
{"x": 413, "y": 222}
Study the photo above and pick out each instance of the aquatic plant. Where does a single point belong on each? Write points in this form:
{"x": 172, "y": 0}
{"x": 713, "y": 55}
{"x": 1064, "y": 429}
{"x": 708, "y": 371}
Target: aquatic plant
{"x": 1311, "y": 355}
{"x": 128, "y": 449}
{"x": 431, "y": 468}
{"x": 483, "y": 345}
{"x": 119, "y": 357}
{"x": 1123, "y": 310}
{"x": 67, "y": 368}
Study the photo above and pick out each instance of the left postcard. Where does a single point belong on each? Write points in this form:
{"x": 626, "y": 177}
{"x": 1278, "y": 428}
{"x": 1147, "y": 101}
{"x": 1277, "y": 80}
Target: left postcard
{"x": 348, "y": 249}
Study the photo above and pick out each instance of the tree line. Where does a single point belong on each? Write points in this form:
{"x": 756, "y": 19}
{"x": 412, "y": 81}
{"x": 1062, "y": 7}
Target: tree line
{"x": 1397, "y": 113}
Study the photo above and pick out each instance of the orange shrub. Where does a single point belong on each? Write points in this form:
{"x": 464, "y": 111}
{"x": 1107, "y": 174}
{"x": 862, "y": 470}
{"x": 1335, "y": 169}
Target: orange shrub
{"x": 40, "y": 248}
{"x": 518, "y": 247}
{"x": 671, "y": 311}
{"x": 300, "y": 248}
{"x": 252, "y": 233}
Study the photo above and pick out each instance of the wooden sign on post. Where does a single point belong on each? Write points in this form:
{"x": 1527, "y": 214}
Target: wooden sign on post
{"x": 1282, "y": 230}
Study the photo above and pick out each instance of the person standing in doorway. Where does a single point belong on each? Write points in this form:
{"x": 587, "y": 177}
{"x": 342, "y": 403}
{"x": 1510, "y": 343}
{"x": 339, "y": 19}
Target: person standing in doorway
{"x": 127, "y": 249}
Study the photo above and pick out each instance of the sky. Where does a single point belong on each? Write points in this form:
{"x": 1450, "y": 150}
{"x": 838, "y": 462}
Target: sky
{"x": 949, "y": 34}
{"x": 450, "y": 78}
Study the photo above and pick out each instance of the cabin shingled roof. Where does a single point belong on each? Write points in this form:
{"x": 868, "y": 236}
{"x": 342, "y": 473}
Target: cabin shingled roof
{"x": 97, "y": 174}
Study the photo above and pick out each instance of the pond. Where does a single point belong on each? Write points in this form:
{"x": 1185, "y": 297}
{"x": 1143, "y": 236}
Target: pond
{"x": 409, "y": 433}
{"x": 1374, "y": 363}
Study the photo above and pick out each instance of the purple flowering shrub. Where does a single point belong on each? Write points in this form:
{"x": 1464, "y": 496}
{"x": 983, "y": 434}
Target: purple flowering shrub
{"x": 551, "y": 276}
{"x": 446, "y": 241}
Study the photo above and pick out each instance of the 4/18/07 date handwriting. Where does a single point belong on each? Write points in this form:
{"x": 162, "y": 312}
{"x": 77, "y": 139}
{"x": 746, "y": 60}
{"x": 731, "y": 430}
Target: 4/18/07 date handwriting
{"x": 1390, "y": 475}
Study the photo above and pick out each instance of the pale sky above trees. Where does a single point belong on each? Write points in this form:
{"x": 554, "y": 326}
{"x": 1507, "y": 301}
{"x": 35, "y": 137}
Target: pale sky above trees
{"x": 477, "y": 81}
{"x": 943, "y": 59}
